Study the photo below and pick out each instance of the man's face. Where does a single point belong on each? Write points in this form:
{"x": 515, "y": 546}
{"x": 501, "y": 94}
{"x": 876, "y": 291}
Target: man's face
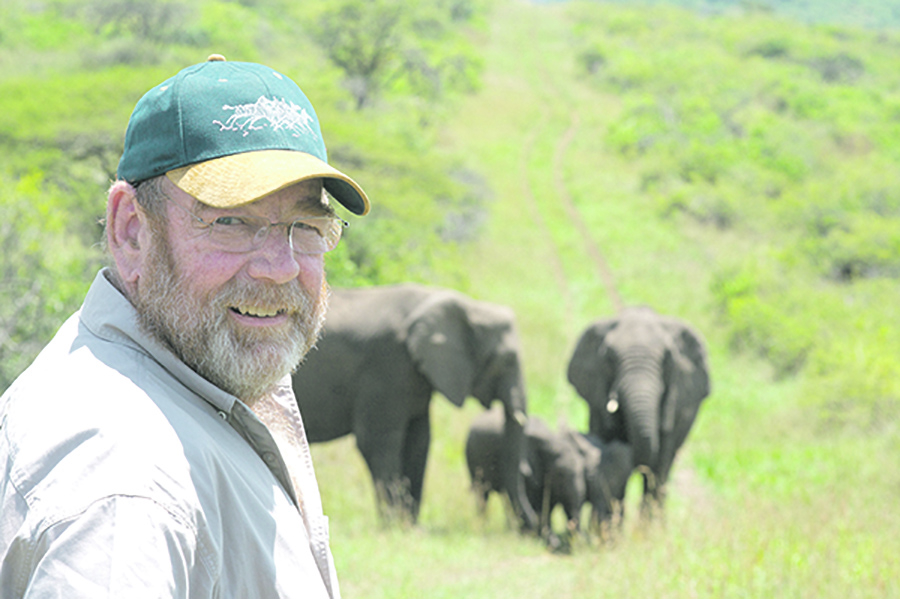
{"x": 242, "y": 320}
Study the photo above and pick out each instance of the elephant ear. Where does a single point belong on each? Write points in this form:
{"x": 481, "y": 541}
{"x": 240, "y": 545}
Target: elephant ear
{"x": 441, "y": 342}
{"x": 690, "y": 358}
{"x": 588, "y": 371}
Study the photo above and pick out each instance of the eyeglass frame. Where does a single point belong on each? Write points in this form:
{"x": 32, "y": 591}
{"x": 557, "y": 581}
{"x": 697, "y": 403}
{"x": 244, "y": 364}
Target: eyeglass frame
{"x": 254, "y": 245}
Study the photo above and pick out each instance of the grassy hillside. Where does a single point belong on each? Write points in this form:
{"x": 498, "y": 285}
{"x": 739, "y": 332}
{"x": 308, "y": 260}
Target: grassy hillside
{"x": 873, "y": 14}
{"x": 778, "y": 492}
{"x": 738, "y": 170}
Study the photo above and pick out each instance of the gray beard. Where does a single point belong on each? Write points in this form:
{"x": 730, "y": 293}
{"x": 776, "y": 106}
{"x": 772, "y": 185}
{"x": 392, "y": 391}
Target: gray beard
{"x": 245, "y": 362}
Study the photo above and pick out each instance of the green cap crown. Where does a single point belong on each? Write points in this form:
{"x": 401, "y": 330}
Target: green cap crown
{"x": 219, "y": 108}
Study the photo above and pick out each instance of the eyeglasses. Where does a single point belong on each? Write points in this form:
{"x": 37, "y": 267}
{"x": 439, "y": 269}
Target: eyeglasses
{"x": 244, "y": 233}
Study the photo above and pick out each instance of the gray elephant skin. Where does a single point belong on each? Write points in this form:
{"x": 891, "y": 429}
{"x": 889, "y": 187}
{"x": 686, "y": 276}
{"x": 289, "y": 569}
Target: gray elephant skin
{"x": 383, "y": 352}
{"x": 565, "y": 468}
{"x": 607, "y": 481}
{"x": 644, "y": 376}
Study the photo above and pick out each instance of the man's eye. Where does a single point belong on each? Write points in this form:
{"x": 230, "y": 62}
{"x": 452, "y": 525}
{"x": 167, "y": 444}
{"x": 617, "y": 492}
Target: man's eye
{"x": 300, "y": 225}
{"x": 230, "y": 221}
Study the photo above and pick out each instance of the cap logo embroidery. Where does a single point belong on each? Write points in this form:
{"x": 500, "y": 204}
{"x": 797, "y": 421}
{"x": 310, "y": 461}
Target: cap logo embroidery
{"x": 274, "y": 113}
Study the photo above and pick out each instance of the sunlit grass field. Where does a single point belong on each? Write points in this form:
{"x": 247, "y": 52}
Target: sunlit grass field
{"x": 760, "y": 506}
{"x": 768, "y": 497}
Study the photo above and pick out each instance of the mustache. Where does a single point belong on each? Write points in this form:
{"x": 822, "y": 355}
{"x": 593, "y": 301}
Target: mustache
{"x": 287, "y": 297}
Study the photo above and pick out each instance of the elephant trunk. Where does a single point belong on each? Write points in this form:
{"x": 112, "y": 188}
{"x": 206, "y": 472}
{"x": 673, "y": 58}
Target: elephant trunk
{"x": 514, "y": 451}
{"x": 645, "y": 441}
{"x": 641, "y": 390}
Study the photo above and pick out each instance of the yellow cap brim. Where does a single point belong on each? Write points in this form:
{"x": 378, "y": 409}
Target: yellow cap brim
{"x": 239, "y": 179}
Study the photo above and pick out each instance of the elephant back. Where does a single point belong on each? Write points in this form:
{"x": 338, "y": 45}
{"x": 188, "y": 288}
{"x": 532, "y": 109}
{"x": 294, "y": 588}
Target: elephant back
{"x": 372, "y": 311}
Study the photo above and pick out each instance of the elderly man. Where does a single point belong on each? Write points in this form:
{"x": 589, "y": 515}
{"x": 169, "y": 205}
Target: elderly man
{"x": 154, "y": 448}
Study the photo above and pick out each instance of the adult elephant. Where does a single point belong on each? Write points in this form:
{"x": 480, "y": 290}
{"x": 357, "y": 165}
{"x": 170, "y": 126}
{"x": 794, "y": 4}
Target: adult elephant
{"x": 384, "y": 351}
{"x": 643, "y": 376}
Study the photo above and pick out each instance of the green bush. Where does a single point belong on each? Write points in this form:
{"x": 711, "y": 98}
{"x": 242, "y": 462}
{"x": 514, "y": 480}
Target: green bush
{"x": 861, "y": 245}
{"x": 46, "y": 268}
{"x": 765, "y": 313}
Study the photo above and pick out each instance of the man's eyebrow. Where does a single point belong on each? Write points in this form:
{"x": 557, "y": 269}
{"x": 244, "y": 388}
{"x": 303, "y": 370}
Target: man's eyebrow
{"x": 315, "y": 203}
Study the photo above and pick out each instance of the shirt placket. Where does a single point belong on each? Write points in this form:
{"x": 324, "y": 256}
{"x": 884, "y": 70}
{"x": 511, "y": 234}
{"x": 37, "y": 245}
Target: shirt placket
{"x": 275, "y": 431}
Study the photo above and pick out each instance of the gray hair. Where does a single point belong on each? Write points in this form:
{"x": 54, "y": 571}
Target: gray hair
{"x": 151, "y": 197}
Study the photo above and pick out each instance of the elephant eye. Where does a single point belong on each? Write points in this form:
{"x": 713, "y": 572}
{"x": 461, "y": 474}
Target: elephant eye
{"x": 609, "y": 357}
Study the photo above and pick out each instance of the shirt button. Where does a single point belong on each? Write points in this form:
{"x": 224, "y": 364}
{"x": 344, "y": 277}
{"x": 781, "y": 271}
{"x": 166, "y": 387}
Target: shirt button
{"x": 223, "y": 415}
{"x": 269, "y": 457}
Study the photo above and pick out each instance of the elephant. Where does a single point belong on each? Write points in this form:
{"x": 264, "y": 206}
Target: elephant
{"x": 607, "y": 480}
{"x": 566, "y": 468}
{"x": 383, "y": 352}
{"x": 643, "y": 376}
{"x": 553, "y": 470}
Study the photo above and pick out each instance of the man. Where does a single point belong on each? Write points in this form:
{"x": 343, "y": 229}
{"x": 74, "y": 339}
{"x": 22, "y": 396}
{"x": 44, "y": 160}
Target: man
{"x": 154, "y": 448}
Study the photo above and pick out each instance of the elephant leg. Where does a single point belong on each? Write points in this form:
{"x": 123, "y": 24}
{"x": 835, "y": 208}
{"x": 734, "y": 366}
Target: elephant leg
{"x": 608, "y": 522}
{"x": 572, "y": 499}
{"x": 652, "y": 499}
{"x": 482, "y": 493}
{"x": 382, "y": 452}
{"x": 669, "y": 445}
{"x": 415, "y": 456}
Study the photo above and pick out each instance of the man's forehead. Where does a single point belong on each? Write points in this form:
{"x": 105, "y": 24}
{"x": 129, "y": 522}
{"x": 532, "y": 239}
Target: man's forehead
{"x": 302, "y": 195}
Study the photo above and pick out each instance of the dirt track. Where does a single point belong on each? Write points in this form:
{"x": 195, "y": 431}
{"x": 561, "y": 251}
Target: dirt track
{"x": 592, "y": 250}
{"x": 684, "y": 480}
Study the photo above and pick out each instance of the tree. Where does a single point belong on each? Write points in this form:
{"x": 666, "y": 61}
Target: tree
{"x": 396, "y": 44}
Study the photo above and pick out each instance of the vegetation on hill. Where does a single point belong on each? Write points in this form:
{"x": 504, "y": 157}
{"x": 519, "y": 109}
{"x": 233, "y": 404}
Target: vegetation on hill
{"x": 873, "y": 14}
{"x": 735, "y": 167}
{"x": 785, "y": 138}
{"x": 70, "y": 73}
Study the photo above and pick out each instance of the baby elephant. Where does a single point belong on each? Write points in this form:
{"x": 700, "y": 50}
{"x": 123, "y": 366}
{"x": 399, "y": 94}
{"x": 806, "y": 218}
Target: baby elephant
{"x": 607, "y": 480}
{"x": 567, "y": 468}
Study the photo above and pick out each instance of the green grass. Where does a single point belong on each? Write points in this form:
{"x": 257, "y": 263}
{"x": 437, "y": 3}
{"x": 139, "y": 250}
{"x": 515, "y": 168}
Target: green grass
{"x": 768, "y": 498}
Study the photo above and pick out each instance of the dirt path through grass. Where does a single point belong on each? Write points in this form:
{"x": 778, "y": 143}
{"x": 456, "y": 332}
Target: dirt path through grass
{"x": 592, "y": 250}
{"x": 528, "y": 194}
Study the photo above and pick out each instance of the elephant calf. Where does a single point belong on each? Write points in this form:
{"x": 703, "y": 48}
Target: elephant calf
{"x": 567, "y": 469}
{"x": 607, "y": 480}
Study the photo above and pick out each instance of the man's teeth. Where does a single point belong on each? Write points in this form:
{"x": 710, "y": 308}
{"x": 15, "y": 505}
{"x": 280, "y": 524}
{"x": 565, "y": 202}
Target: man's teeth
{"x": 258, "y": 312}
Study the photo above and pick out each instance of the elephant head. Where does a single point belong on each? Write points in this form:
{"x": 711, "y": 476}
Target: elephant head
{"x": 469, "y": 348}
{"x": 643, "y": 376}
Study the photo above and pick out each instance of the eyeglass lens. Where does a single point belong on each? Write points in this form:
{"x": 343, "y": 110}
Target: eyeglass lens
{"x": 313, "y": 235}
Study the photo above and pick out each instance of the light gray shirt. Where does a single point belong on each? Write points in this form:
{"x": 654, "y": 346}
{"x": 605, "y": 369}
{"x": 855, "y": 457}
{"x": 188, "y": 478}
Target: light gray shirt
{"x": 123, "y": 473}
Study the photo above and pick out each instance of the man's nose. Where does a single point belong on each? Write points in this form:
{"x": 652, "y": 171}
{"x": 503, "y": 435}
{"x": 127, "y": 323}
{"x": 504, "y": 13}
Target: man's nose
{"x": 275, "y": 259}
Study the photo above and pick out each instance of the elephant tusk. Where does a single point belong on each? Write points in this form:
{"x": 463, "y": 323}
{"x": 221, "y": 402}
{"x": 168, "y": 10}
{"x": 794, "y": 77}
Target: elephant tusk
{"x": 521, "y": 417}
{"x": 612, "y": 406}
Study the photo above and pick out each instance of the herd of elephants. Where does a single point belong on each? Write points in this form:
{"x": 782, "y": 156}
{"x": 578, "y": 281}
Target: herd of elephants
{"x": 385, "y": 350}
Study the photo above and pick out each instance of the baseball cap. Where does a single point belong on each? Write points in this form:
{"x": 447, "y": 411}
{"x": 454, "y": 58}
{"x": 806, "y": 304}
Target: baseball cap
{"x": 229, "y": 133}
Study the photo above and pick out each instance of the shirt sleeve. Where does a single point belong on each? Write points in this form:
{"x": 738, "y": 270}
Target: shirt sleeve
{"x": 120, "y": 546}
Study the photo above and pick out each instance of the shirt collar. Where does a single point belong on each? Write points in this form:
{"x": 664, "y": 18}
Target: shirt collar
{"x": 110, "y": 315}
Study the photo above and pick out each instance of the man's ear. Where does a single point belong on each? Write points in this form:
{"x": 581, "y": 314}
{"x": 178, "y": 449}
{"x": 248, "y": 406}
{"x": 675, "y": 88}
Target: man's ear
{"x": 125, "y": 223}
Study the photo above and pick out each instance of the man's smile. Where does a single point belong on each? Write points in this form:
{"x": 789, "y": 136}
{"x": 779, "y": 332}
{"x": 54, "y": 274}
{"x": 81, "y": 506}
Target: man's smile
{"x": 257, "y": 312}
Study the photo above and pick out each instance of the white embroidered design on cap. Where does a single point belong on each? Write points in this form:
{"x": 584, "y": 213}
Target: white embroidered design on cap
{"x": 278, "y": 113}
